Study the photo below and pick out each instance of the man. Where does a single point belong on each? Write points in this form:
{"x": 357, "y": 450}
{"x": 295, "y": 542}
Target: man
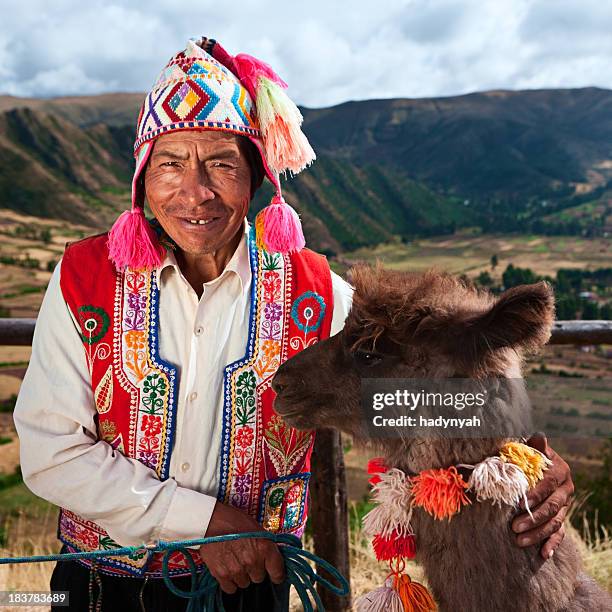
{"x": 146, "y": 411}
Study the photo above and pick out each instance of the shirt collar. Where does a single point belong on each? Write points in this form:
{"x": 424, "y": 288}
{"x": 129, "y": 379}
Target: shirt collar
{"x": 239, "y": 263}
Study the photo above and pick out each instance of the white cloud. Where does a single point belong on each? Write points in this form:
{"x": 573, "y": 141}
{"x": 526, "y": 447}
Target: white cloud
{"x": 328, "y": 53}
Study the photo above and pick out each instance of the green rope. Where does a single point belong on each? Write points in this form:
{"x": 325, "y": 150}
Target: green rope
{"x": 204, "y": 594}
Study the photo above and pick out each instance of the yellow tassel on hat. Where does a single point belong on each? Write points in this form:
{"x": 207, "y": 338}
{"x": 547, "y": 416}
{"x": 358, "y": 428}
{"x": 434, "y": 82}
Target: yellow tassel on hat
{"x": 531, "y": 461}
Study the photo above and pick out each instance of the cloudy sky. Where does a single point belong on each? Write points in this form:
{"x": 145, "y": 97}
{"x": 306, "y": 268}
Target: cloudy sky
{"x": 358, "y": 50}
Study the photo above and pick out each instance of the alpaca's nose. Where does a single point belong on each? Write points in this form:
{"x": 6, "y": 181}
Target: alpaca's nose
{"x": 277, "y": 387}
{"x": 283, "y": 379}
{"x": 279, "y": 383}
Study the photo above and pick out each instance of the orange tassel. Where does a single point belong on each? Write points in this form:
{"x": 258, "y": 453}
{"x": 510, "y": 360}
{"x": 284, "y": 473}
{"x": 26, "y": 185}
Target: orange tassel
{"x": 415, "y": 597}
{"x": 440, "y": 492}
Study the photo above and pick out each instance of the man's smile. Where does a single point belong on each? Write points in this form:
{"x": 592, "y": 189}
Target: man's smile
{"x": 200, "y": 223}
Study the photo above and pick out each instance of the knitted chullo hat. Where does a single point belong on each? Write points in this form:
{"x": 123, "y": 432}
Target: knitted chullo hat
{"x": 205, "y": 88}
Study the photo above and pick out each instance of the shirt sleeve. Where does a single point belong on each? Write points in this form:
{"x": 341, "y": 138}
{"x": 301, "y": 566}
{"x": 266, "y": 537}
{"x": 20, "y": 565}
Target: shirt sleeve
{"x": 343, "y": 299}
{"x": 62, "y": 459}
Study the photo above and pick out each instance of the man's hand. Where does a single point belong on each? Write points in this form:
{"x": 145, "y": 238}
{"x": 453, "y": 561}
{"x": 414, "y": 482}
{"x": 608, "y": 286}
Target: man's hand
{"x": 236, "y": 564}
{"x": 549, "y": 502}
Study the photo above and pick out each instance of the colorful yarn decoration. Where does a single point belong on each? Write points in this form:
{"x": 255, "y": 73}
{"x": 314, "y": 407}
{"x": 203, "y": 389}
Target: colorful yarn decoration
{"x": 530, "y": 460}
{"x": 498, "y": 481}
{"x": 248, "y": 69}
{"x": 440, "y": 492}
{"x": 132, "y": 242}
{"x": 278, "y": 228}
{"x": 376, "y": 466}
{"x": 382, "y": 599}
{"x": 414, "y": 596}
{"x": 395, "y": 545}
{"x": 285, "y": 145}
{"x": 393, "y": 509}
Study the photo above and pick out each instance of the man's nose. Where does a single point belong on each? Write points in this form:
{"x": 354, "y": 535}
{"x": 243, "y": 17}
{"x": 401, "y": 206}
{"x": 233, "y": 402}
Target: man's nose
{"x": 195, "y": 187}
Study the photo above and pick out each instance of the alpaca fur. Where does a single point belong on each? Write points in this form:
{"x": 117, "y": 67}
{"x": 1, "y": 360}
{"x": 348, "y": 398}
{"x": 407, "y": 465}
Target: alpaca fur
{"x": 435, "y": 325}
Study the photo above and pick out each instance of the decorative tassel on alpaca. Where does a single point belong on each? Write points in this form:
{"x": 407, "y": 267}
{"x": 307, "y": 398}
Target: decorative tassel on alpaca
{"x": 414, "y": 596}
{"x": 382, "y": 599}
{"x": 499, "y": 481}
{"x": 393, "y": 510}
{"x": 399, "y": 593}
{"x": 531, "y": 461}
{"x": 394, "y": 545}
{"x": 376, "y": 466}
{"x": 278, "y": 228}
{"x": 132, "y": 242}
{"x": 440, "y": 492}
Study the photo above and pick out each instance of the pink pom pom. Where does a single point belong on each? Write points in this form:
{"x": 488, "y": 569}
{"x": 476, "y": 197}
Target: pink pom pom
{"x": 278, "y": 228}
{"x": 248, "y": 69}
{"x": 132, "y": 242}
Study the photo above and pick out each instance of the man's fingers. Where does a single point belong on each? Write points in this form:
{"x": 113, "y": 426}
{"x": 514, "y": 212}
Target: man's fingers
{"x": 551, "y": 544}
{"x": 275, "y": 565}
{"x": 559, "y": 498}
{"x": 542, "y": 531}
{"x": 237, "y": 569}
{"x": 223, "y": 576}
{"x": 226, "y": 585}
{"x": 557, "y": 479}
{"x": 254, "y": 564}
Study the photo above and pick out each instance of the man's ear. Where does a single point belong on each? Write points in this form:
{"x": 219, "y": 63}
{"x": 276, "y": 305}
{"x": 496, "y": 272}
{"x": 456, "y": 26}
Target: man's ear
{"x": 522, "y": 317}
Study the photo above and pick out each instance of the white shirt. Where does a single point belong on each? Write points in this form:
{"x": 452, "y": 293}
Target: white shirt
{"x": 62, "y": 459}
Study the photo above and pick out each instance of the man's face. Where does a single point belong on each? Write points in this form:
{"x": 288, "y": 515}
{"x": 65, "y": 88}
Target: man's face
{"x": 198, "y": 185}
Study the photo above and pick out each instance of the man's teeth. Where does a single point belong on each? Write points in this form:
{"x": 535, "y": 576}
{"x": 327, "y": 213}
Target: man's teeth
{"x": 200, "y": 221}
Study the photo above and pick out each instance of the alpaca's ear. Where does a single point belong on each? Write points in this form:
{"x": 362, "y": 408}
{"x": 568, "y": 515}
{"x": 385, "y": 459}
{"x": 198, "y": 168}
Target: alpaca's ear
{"x": 522, "y": 317}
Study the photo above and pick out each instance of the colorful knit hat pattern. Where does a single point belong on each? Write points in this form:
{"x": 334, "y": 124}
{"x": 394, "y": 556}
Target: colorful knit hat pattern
{"x": 205, "y": 88}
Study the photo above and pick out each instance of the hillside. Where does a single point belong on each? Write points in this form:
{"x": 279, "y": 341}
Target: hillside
{"x": 500, "y": 160}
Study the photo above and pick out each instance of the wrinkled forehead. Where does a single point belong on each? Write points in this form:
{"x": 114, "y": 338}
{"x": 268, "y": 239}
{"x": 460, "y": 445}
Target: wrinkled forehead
{"x": 201, "y": 139}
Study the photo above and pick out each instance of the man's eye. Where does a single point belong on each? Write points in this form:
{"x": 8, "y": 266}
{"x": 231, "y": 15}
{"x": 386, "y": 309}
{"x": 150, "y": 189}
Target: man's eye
{"x": 171, "y": 164}
{"x": 366, "y": 358}
{"x": 221, "y": 165}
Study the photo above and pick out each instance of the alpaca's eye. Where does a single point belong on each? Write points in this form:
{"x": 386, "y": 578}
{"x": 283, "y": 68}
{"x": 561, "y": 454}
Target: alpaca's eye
{"x": 365, "y": 358}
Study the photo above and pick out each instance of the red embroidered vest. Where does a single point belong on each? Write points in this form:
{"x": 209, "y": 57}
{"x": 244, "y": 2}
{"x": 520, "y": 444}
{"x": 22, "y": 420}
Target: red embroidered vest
{"x": 265, "y": 464}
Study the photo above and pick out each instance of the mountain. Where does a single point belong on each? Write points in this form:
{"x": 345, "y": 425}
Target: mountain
{"x": 501, "y": 160}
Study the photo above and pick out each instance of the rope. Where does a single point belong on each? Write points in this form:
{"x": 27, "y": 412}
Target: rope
{"x": 204, "y": 594}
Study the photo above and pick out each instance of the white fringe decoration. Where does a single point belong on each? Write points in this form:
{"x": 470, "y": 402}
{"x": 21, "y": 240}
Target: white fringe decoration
{"x": 394, "y": 510}
{"x": 500, "y": 482}
{"x": 382, "y": 599}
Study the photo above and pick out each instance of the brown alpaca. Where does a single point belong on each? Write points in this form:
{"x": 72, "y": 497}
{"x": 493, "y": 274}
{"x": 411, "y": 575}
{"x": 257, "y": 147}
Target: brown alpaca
{"x": 433, "y": 325}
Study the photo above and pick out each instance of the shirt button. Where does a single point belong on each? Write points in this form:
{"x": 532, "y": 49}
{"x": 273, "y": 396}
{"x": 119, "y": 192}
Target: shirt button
{"x": 199, "y": 330}
{"x": 193, "y": 396}
{"x": 185, "y": 467}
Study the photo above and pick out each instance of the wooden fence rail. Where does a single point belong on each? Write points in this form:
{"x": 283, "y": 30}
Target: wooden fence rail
{"x": 329, "y": 511}
{"x": 19, "y": 332}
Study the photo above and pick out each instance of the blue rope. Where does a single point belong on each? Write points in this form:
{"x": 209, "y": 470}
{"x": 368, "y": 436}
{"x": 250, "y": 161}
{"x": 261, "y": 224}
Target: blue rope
{"x": 204, "y": 594}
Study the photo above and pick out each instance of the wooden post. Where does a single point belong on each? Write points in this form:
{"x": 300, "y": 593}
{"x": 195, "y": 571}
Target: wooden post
{"x": 329, "y": 512}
